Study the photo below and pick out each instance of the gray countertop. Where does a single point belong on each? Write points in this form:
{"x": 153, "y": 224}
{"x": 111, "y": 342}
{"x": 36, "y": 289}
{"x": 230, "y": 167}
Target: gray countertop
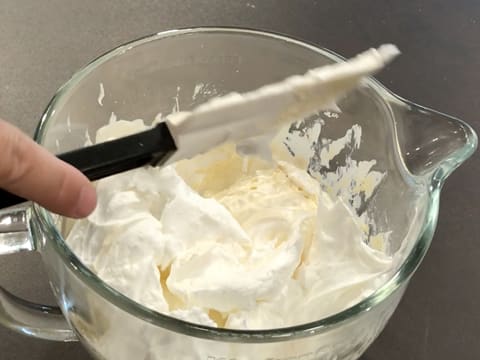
{"x": 43, "y": 42}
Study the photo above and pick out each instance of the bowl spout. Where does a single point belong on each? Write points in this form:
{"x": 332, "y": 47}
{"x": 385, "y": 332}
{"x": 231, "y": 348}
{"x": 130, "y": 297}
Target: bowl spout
{"x": 431, "y": 142}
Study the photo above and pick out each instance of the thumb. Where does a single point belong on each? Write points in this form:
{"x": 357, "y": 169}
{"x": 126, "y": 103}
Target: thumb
{"x": 30, "y": 171}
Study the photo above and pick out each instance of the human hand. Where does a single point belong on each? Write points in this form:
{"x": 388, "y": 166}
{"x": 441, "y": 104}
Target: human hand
{"x": 30, "y": 171}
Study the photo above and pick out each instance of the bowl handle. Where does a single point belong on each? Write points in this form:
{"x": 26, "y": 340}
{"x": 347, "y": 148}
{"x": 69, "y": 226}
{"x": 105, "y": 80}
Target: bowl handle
{"x": 31, "y": 319}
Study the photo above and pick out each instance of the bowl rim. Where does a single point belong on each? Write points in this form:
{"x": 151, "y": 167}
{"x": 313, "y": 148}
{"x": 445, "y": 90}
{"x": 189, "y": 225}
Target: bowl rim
{"x": 401, "y": 276}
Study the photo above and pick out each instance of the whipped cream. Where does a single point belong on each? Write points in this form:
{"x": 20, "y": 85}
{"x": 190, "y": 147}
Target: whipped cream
{"x": 230, "y": 241}
{"x": 248, "y": 241}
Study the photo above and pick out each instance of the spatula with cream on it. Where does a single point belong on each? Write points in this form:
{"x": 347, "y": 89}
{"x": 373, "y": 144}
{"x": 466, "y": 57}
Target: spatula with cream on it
{"x": 250, "y": 120}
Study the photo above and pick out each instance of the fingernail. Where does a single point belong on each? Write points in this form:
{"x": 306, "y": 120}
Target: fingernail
{"x": 87, "y": 201}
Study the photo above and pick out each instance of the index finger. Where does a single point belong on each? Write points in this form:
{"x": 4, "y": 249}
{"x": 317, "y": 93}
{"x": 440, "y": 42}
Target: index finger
{"x": 30, "y": 171}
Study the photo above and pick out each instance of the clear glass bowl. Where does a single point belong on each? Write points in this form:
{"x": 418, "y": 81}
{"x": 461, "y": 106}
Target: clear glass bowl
{"x": 417, "y": 148}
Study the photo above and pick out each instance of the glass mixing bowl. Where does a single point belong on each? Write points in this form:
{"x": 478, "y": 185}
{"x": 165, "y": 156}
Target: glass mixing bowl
{"x": 416, "y": 148}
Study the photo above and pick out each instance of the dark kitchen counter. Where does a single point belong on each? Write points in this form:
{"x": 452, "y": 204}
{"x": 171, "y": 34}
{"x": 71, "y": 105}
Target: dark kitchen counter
{"x": 43, "y": 42}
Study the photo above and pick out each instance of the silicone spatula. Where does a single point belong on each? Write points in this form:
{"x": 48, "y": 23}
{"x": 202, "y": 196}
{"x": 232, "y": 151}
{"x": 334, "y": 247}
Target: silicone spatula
{"x": 250, "y": 119}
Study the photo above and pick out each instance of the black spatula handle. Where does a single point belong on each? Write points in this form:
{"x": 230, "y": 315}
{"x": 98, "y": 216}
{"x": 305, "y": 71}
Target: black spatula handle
{"x": 153, "y": 147}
